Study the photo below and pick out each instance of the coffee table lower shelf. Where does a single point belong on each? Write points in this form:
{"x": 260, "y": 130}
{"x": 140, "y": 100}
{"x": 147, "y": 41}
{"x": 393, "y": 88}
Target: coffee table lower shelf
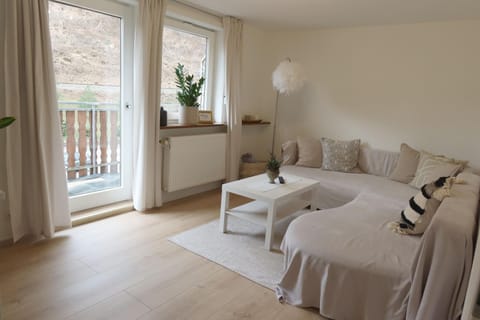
{"x": 257, "y": 211}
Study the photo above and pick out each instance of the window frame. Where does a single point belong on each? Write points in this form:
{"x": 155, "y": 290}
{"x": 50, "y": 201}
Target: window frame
{"x": 126, "y": 13}
{"x": 210, "y": 35}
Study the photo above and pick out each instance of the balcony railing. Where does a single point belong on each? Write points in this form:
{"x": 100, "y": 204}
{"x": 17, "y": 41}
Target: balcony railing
{"x": 91, "y": 137}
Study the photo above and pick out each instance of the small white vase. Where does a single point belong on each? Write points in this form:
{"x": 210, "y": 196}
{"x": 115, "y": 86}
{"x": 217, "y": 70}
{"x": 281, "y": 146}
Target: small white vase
{"x": 182, "y": 115}
{"x": 187, "y": 115}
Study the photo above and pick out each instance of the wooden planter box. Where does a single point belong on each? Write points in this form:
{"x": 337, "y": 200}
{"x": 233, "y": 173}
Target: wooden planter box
{"x": 248, "y": 169}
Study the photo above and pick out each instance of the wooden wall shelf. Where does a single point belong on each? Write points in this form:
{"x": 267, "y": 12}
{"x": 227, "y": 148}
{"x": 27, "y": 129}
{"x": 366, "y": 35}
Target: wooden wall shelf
{"x": 181, "y": 126}
{"x": 200, "y": 125}
{"x": 262, "y": 123}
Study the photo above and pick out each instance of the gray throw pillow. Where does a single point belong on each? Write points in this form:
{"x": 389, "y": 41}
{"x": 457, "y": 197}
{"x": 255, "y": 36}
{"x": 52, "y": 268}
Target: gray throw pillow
{"x": 309, "y": 152}
{"x": 407, "y": 164}
{"x": 340, "y": 155}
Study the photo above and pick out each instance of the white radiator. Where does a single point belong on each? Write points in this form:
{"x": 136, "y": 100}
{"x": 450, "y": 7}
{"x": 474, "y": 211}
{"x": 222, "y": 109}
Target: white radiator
{"x": 190, "y": 161}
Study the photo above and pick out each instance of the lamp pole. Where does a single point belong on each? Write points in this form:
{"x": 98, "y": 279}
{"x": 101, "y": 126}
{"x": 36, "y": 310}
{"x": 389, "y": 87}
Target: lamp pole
{"x": 275, "y": 122}
{"x": 287, "y": 78}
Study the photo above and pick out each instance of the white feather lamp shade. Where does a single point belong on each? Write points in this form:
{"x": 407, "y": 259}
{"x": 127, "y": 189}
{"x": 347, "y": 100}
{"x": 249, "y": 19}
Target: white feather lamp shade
{"x": 288, "y": 77}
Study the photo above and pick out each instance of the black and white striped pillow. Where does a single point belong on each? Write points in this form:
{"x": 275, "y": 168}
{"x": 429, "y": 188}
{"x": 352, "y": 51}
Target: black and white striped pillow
{"x": 421, "y": 208}
{"x": 416, "y": 207}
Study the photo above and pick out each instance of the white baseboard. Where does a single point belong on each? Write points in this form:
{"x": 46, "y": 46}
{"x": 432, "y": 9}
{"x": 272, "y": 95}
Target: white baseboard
{"x": 90, "y": 215}
{"x": 170, "y": 196}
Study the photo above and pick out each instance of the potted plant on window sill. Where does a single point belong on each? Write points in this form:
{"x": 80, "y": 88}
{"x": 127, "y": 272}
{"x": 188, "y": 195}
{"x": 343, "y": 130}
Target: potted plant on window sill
{"x": 188, "y": 95}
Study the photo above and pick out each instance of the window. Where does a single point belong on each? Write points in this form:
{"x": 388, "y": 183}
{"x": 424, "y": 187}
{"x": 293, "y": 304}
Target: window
{"x": 191, "y": 46}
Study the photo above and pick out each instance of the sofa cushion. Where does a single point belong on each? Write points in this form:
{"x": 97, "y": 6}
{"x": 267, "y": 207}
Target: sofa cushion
{"x": 340, "y": 155}
{"x": 377, "y": 162}
{"x": 407, "y": 164}
{"x": 309, "y": 152}
{"x": 431, "y": 167}
{"x": 289, "y": 153}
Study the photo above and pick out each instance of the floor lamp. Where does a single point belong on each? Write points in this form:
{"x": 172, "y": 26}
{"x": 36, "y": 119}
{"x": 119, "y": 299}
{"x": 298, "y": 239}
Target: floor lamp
{"x": 288, "y": 77}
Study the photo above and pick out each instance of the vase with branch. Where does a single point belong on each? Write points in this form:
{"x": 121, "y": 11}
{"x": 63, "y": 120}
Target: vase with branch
{"x": 273, "y": 168}
{"x": 188, "y": 94}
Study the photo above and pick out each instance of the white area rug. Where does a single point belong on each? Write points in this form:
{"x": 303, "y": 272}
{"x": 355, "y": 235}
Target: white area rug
{"x": 241, "y": 249}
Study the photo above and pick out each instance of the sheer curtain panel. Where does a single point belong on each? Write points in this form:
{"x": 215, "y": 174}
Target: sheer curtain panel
{"x": 233, "y": 64}
{"x": 148, "y": 67}
{"x": 37, "y": 186}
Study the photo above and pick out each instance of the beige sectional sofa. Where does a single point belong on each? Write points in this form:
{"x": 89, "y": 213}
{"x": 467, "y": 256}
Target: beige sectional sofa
{"x": 345, "y": 261}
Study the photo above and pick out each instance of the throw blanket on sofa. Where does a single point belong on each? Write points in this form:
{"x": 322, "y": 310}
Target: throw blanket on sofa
{"x": 346, "y": 262}
{"x": 441, "y": 269}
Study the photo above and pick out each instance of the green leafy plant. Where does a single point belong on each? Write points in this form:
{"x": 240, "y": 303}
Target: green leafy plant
{"x": 6, "y": 121}
{"x": 273, "y": 164}
{"x": 189, "y": 89}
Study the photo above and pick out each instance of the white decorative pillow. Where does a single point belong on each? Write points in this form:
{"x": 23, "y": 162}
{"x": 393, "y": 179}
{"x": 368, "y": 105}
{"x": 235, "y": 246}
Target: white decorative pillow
{"x": 431, "y": 167}
{"x": 309, "y": 152}
{"x": 340, "y": 155}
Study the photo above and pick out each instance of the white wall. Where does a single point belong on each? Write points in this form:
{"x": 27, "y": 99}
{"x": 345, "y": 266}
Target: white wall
{"x": 417, "y": 83}
{"x": 257, "y": 91}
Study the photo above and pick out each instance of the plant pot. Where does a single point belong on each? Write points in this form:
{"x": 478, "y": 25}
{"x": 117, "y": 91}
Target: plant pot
{"x": 187, "y": 115}
{"x": 273, "y": 174}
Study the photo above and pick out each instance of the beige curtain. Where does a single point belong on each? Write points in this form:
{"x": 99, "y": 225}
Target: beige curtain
{"x": 148, "y": 66}
{"x": 233, "y": 66}
{"x": 37, "y": 188}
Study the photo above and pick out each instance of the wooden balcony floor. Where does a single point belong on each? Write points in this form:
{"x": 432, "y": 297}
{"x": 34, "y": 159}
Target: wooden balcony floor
{"x": 93, "y": 183}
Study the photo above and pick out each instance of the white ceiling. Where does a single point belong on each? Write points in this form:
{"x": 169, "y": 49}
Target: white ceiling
{"x": 302, "y": 14}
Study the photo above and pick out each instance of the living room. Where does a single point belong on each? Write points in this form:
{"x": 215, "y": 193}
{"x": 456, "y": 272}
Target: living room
{"x": 383, "y": 73}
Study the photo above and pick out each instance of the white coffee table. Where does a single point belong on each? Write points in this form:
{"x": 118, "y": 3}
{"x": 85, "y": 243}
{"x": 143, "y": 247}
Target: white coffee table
{"x": 271, "y": 202}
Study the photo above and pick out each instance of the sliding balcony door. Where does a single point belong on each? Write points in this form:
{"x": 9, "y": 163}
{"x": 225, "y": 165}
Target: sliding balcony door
{"x": 92, "y": 44}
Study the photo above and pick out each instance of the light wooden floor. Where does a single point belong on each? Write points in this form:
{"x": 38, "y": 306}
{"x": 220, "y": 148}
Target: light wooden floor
{"x": 125, "y": 268}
